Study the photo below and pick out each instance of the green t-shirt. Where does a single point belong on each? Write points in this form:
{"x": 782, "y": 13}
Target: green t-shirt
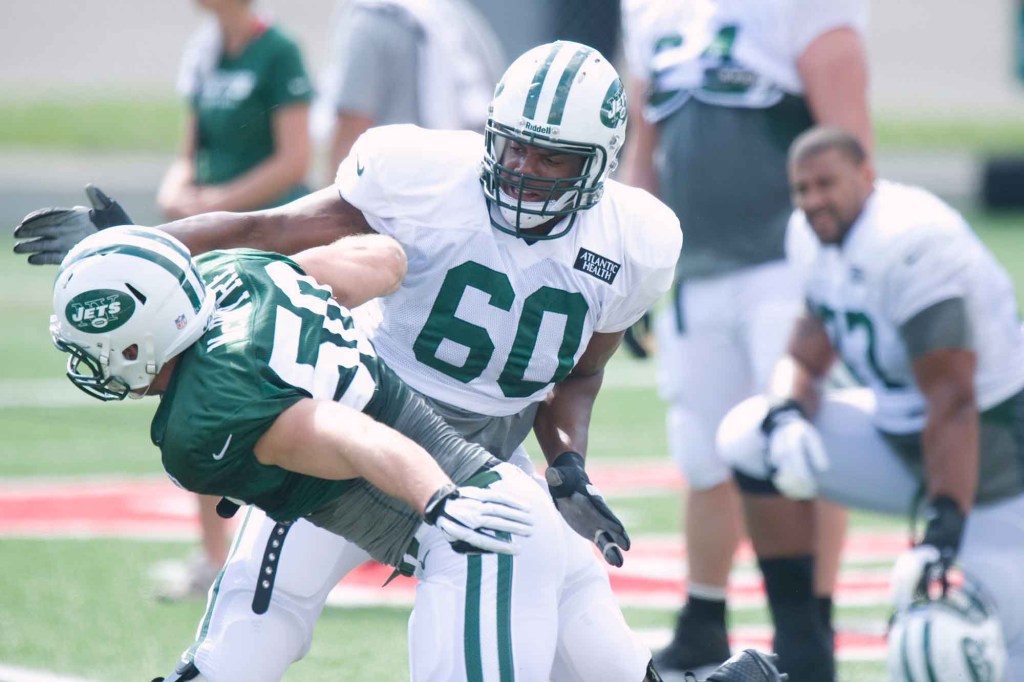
{"x": 234, "y": 104}
{"x": 277, "y": 337}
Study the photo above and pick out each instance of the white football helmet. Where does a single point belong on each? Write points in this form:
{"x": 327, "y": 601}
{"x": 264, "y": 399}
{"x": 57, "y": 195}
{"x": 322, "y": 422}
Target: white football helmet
{"x": 956, "y": 637}
{"x": 562, "y": 96}
{"x": 120, "y": 288}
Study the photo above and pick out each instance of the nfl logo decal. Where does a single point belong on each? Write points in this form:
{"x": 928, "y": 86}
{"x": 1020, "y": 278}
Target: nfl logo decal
{"x": 181, "y": 321}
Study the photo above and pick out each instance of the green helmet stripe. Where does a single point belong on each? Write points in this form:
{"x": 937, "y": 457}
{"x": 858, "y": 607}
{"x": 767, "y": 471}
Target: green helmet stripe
{"x": 564, "y": 83}
{"x": 530, "y": 110}
{"x": 166, "y": 263}
{"x": 928, "y": 651}
{"x": 158, "y": 237}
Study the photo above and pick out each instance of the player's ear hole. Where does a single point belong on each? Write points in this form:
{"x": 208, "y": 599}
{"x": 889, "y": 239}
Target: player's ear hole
{"x": 131, "y": 352}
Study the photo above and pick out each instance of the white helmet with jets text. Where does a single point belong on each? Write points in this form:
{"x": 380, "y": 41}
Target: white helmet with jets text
{"x": 126, "y": 300}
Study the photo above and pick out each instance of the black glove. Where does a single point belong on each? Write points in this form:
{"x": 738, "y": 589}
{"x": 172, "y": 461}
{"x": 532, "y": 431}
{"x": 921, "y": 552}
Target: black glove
{"x": 49, "y": 233}
{"x": 944, "y": 532}
{"x": 637, "y": 337}
{"x": 749, "y": 665}
{"x": 584, "y": 508}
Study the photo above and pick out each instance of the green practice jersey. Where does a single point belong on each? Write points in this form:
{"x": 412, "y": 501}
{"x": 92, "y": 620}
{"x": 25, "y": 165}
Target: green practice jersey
{"x": 234, "y": 104}
{"x": 277, "y": 337}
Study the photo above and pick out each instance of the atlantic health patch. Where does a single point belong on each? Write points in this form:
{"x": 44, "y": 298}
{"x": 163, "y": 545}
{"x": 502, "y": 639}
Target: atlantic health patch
{"x": 591, "y": 263}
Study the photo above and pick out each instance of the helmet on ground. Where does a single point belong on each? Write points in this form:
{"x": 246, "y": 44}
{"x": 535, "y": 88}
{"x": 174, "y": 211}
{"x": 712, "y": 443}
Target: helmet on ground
{"x": 563, "y": 97}
{"x": 126, "y": 300}
{"x": 956, "y": 637}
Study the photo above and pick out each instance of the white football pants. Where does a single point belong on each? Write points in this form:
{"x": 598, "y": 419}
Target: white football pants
{"x": 546, "y": 613}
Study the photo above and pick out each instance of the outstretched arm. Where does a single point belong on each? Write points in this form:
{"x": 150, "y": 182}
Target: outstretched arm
{"x": 313, "y": 220}
{"x": 329, "y": 440}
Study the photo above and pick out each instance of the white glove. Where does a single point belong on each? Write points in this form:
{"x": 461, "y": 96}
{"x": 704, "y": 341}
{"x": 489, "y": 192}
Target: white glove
{"x": 796, "y": 454}
{"x": 908, "y": 573}
{"x": 478, "y": 520}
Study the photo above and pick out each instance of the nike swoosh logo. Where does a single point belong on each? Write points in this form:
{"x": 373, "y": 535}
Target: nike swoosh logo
{"x": 224, "y": 450}
{"x": 359, "y": 167}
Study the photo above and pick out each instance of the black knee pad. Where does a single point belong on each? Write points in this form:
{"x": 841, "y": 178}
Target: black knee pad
{"x": 749, "y": 485}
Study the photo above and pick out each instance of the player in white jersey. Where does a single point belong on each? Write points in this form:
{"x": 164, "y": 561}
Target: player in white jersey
{"x": 900, "y": 289}
{"x": 525, "y": 265}
{"x": 728, "y": 85}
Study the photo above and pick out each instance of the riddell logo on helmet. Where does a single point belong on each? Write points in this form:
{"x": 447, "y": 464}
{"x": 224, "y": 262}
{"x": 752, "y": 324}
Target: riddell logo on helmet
{"x": 542, "y": 130}
{"x": 99, "y": 310}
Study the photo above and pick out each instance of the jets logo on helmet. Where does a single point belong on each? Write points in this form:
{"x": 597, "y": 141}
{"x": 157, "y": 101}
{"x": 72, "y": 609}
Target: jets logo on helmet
{"x": 565, "y": 98}
{"x": 103, "y": 309}
{"x": 613, "y": 111}
{"x": 126, "y": 300}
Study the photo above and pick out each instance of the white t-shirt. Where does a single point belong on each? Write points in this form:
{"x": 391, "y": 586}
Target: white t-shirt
{"x": 739, "y": 53}
{"x": 484, "y": 320}
{"x": 906, "y": 252}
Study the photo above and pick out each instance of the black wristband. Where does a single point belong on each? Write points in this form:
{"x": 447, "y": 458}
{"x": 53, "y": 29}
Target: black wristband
{"x": 435, "y": 505}
{"x": 776, "y": 410}
{"x": 568, "y": 459}
{"x": 945, "y": 527}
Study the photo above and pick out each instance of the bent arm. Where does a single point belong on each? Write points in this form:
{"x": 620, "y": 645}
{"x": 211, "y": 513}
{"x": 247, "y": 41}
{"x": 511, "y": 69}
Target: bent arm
{"x": 834, "y": 72}
{"x": 313, "y": 220}
{"x": 950, "y": 438}
{"x": 332, "y": 441}
{"x": 357, "y": 268}
{"x": 563, "y": 419}
{"x": 809, "y": 357}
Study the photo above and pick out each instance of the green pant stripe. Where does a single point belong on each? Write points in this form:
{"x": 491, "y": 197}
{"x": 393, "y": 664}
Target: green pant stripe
{"x": 471, "y": 629}
{"x": 530, "y": 109}
{"x": 204, "y": 628}
{"x": 504, "y": 615}
{"x": 564, "y": 84}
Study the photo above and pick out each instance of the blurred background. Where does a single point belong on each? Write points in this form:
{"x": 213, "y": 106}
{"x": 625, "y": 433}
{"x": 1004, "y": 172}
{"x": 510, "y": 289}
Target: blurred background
{"x": 82, "y": 84}
{"x": 87, "y": 95}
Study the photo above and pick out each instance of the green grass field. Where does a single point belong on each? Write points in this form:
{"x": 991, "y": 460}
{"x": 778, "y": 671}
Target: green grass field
{"x": 82, "y": 607}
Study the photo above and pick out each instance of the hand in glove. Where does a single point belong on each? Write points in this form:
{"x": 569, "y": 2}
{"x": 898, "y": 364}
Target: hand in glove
{"x": 795, "y": 454}
{"x": 637, "y": 338}
{"x": 583, "y": 507}
{"x": 476, "y": 520}
{"x": 49, "y": 233}
{"x": 929, "y": 562}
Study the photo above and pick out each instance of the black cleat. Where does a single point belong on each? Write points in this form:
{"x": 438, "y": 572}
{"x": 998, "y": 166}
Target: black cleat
{"x": 698, "y": 645}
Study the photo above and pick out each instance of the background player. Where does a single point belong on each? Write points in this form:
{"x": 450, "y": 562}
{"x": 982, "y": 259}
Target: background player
{"x": 724, "y": 86}
{"x": 899, "y": 288}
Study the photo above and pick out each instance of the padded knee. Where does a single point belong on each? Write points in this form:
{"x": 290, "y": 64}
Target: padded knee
{"x": 739, "y": 440}
{"x": 692, "y": 446}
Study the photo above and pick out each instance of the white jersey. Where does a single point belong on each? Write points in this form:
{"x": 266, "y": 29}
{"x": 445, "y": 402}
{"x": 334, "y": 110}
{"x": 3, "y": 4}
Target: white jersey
{"x": 908, "y": 251}
{"x": 484, "y": 320}
{"x": 737, "y": 53}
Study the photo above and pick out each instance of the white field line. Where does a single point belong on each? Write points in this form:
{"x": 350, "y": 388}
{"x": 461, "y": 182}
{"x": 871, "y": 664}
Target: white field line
{"x": 58, "y": 391}
{"x": 15, "y": 674}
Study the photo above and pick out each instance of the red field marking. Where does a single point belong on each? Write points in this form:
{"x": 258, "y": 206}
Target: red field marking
{"x": 154, "y": 509}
